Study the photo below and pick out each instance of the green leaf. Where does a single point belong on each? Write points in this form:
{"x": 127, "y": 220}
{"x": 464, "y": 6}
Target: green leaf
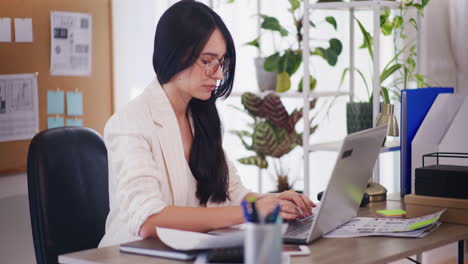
{"x": 420, "y": 79}
{"x": 386, "y": 28}
{"x": 412, "y": 64}
{"x": 331, "y": 57}
{"x": 367, "y": 38}
{"x": 424, "y": 2}
{"x": 397, "y": 22}
{"x": 271, "y": 23}
{"x": 332, "y": 53}
{"x": 264, "y": 139}
{"x": 384, "y": 15}
{"x": 271, "y": 62}
{"x": 331, "y": 20}
{"x": 283, "y": 82}
{"x": 252, "y": 103}
{"x": 335, "y": 45}
{"x": 384, "y": 94}
{"x": 345, "y": 71}
{"x": 389, "y": 71}
{"x": 413, "y": 22}
{"x": 254, "y": 43}
{"x": 418, "y": 6}
{"x": 230, "y": 1}
{"x": 312, "y": 82}
{"x": 258, "y": 161}
{"x": 289, "y": 62}
{"x": 295, "y": 4}
{"x": 319, "y": 52}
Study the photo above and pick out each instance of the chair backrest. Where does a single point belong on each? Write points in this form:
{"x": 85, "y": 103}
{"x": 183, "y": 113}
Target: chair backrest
{"x": 68, "y": 191}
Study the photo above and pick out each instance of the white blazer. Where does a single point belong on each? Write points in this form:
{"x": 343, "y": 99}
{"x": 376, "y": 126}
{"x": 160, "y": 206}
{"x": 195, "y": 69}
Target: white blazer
{"x": 147, "y": 166}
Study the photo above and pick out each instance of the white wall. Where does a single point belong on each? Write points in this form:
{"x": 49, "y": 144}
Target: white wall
{"x": 16, "y": 244}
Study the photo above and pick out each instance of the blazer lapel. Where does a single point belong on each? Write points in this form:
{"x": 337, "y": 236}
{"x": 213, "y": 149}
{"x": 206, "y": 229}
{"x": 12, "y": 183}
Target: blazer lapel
{"x": 170, "y": 141}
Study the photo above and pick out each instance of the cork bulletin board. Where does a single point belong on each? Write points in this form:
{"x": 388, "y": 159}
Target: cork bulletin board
{"x": 34, "y": 57}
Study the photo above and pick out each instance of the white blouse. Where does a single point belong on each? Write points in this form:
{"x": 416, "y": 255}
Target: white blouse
{"x": 147, "y": 166}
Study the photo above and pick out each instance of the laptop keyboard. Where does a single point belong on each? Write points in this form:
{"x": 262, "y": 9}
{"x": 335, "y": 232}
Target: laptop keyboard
{"x": 299, "y": 228}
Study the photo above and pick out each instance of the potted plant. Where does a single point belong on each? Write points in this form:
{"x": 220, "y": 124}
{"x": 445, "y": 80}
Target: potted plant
{"x": 402, "y": 67}
{"x": 273, "y": 133}
{"x": 275, "y": 70}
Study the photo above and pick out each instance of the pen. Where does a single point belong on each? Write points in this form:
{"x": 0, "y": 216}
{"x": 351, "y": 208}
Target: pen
{"x": 255, "y": 216}
{"x": 271, "y": 218}
{"x": 245, "y": 209}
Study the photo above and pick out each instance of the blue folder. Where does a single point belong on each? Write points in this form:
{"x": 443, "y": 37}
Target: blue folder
{"x": 415, "y": 103}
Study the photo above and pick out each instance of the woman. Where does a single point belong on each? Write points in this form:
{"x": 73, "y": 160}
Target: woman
{"x": 166, "y": 162}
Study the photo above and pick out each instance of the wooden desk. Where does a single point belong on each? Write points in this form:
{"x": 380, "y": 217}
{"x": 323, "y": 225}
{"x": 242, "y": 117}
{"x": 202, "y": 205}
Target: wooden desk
{"x": 324, "y": 250}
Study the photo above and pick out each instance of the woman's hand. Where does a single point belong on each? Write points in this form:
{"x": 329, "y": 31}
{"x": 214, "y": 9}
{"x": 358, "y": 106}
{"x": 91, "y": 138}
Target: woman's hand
{"x": 267, "y": 204}
{"x": 300, "y": 201}
{"x": 293, "y": 205}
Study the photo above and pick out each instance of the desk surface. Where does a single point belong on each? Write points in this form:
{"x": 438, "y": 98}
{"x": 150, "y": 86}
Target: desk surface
{"x": 324, "y": 250}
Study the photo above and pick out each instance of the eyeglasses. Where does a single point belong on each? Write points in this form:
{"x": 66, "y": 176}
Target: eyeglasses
{"x": 212, "y": 66}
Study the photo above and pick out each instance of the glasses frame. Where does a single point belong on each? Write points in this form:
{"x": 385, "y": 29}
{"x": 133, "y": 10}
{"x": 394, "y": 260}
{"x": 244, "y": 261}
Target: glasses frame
{"x": 211, "y": 67}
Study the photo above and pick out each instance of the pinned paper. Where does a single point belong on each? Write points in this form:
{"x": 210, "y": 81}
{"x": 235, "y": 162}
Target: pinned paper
{"x": 55, "y": 102}
{"x": 53, "y": 122}
{"x": 74, "y": 103}
{"x": 75, "y": 122}
{"x": 5, "y": 29}
{"x": 23, "y": 30}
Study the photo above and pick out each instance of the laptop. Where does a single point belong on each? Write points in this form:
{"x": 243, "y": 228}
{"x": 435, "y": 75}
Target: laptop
{"x": 341, "y": 199}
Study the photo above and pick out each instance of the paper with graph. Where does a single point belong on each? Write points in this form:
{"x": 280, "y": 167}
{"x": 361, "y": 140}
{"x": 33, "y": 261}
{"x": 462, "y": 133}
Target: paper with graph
{"x": 19, "y": 114}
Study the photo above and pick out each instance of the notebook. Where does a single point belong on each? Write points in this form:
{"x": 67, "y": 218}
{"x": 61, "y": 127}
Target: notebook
{"x": 154, "y": 247}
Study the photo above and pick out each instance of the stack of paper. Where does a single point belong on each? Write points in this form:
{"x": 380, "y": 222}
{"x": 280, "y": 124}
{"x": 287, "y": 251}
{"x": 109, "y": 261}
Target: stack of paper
{"x": 368, "y": 226}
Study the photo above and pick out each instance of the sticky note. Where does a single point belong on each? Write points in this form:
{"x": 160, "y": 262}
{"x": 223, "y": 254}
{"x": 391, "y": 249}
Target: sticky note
{"x": 5, "y": 29}
{"x": 75, "y": 122}
{"x": 55, "y": 102}
{"x": 423, "y": 223}
{"x": 74, "y": 103}
{"x": 390, "y": 213}
{"x": 23, "y": 30}
{"x": 53, "y": 122}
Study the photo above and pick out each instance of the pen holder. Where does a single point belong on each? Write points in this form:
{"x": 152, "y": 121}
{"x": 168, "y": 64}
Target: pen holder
{"x": 263, "y": 243}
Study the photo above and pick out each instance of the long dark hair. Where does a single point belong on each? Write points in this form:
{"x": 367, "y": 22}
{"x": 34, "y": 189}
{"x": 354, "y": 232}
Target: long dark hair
{"x": 181, "y": 34}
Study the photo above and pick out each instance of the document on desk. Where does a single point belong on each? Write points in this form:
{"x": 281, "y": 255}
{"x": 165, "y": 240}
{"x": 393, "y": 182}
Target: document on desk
{"x": 369, "y": 226}
{"x": 186, "y": 240}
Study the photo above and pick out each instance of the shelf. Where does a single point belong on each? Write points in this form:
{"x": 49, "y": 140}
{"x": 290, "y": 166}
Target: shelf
{"x": 300, "y": 95}
{"x": 356, "y": 5}
{"x": 335, "y": 146}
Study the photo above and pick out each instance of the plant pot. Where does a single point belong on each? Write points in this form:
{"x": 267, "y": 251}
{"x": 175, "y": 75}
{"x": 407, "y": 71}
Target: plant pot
{"x": 358, "y": 116}
{"x": 266, "y": 80}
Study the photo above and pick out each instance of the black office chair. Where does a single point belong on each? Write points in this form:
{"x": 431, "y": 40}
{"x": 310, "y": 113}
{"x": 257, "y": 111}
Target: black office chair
{"x": 68, "y": 191}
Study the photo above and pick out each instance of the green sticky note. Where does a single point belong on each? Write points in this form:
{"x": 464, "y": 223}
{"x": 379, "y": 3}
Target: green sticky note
{"x": 55, "y": 102}
{"x": 53, "y": 122}
{"x": 75, "y": 122}
{"x": 422, "y": 223}
{"x": 74, "y": 103}
{"x": 392, "y": 212}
